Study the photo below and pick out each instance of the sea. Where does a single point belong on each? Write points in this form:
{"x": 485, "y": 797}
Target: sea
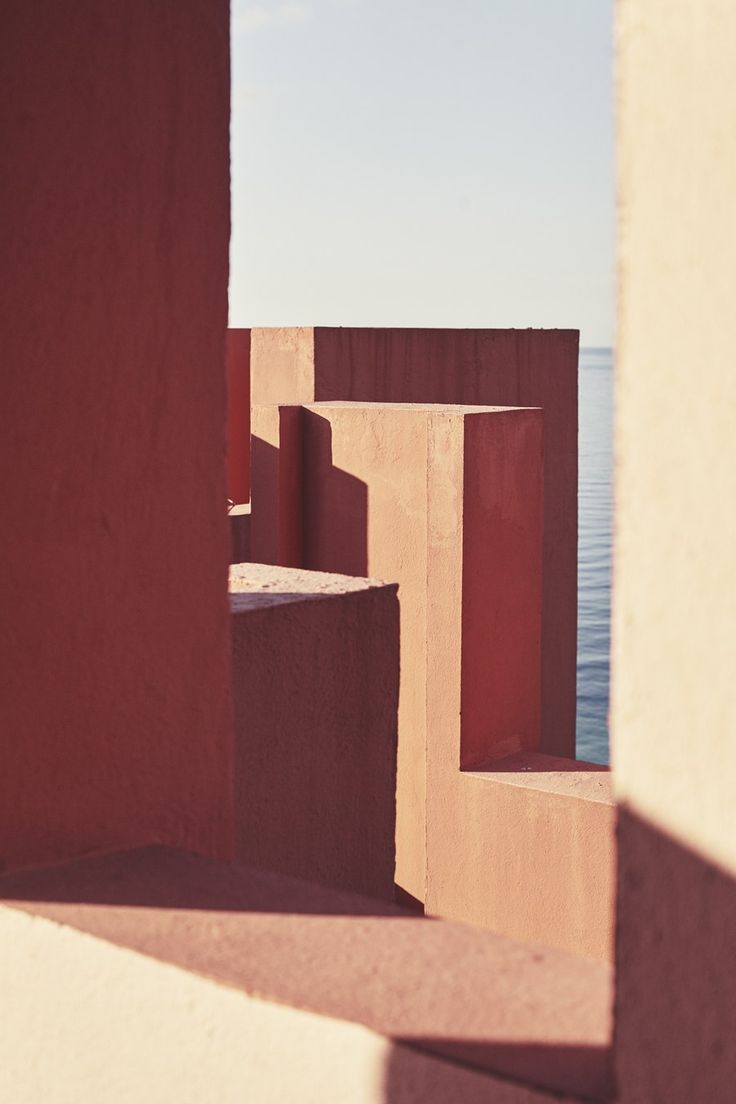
{"x": 595, "y": 515}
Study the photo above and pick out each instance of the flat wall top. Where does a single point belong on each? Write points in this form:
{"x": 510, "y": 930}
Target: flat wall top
{"x": 415, "y": 329}
{"x": 253, "y": 586}
{"x": 430, "y": 408}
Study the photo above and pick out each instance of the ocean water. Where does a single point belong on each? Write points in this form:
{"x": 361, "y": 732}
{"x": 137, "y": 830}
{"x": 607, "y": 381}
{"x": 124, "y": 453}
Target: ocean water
{"x": 595, "y": 515}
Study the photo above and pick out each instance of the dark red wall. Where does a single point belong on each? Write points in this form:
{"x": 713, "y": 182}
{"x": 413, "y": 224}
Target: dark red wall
{"x": 114, "y": 656}
{"x": 238, "y": 415}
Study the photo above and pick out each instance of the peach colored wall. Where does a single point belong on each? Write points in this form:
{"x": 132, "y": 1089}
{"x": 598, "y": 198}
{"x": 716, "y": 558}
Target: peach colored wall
{"x": 114, "y": 657}
{"x": 525, "y": 847}
{"x": 674, "y": 623}
{"x": 316, "y": 686}
{"x": 532, "y": 857}
{"x": 238, "y": 415}
{"x": 504, "y": 367}
{"x": 365, "y": 505}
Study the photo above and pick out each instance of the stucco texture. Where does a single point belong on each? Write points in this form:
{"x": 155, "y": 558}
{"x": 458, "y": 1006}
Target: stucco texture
{"x": 315, "y": 689}
{"x": 674, "y": 622}
{"x": 114, "y": 658}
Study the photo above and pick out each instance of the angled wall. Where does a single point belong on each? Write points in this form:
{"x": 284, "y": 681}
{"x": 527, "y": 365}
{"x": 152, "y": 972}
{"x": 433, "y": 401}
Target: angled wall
{"x": 114, "y": 657}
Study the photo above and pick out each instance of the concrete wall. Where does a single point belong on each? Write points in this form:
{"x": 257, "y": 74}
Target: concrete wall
{"x": 114, "y": 656}
{"x": 448, "y": 502}
{"x": 674, "y": 642}
{"x": 480, "y": 367}
{"x": 316, "y": 687}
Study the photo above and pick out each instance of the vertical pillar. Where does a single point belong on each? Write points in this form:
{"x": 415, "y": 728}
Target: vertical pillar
{"x": 115, "y": 714}
{"x": 238, "y": 415}
{"x": 673, "y": 704}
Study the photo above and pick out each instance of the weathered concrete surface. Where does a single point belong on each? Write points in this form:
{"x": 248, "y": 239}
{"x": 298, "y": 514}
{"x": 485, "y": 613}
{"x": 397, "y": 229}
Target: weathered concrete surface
{"x": 238, "y": 415}
{"x": 115, "y": 723}
{"x": 233, "y": 969}
{"x": 673, "y": 705}
{"x": 532, "y": 368}
{"x": 315, "y": 689}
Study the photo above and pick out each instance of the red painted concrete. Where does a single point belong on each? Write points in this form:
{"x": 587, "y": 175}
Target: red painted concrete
{"x": 238, "y": 415}
{"x": 448, "y": 501}
{"x": 526, "y": 1013}
{"x": 115, "y": 720}
{"x": 276, "y": 535}
{"x": 316, "y": 686}
{"x": 500, "y": 535}
{"x": 536, "y": 368}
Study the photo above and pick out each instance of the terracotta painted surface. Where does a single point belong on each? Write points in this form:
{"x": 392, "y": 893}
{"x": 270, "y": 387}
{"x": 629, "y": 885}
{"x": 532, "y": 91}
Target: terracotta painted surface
{"x": 460, "y": 530}
{"x": 674, "y": 645}
{"x": 231, "y": 967}
{"x": 238, "y": 415}
{"x": 530, "y": 852}
{"x": 533, "y": 862}
{"x": 114, "y": 658}
{"x": 316, "y": 685}
{"x": 276, "y": 532}
{"x": 536, "y": 368}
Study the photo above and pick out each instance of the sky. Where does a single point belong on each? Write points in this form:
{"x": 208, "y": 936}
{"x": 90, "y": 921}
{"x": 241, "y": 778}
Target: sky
{"x": 423, "y": 163}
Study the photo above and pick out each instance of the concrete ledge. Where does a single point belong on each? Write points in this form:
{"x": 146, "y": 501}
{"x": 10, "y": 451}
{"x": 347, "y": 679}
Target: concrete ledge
{"x": 315, "y": 692}
{"x": 541, "y": 833}
{"x": 525, "y": 1014}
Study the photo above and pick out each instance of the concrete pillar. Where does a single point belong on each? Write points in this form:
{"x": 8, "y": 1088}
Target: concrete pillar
{"x": 315, "y": 674}
{"x": 533, "y": 368}
{"x": 115, "y": 712}
{"x": 673, "y": 705}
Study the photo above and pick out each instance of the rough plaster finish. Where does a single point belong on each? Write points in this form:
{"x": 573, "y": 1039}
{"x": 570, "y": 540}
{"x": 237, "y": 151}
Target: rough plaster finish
{"x": 315, "y": 690}
{"x": 115, "y": 695}
{"x": 238, "y": 415}
{"x": 535, "y": 368}
{"x": 225, "y": 971}
{"x": 674, "y": 622}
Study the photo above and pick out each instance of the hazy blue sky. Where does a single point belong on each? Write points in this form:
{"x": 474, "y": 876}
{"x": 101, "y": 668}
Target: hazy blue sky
{"x": 418, "y": 162}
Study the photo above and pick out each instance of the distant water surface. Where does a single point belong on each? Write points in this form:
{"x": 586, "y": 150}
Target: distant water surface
{"x": 595, "y": 510}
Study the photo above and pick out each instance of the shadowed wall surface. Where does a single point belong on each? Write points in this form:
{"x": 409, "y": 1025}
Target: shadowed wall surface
{"x": 315, "y": 689}
{"x": 114, "y": 660}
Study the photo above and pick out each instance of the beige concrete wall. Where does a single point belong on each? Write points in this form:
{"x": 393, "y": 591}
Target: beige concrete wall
{"x": 674, "y": 623}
